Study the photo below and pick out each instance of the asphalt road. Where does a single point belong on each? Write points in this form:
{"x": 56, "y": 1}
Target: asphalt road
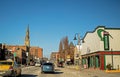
{"x": 65, "y": 72}
{"x": 33, "y": 71}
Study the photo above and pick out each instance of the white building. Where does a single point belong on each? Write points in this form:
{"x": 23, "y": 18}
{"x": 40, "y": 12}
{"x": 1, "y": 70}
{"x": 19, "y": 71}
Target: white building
{"x": 101, "y": 47}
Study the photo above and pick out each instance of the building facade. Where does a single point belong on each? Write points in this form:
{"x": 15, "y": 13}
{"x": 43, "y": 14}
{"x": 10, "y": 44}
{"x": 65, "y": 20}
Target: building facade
{"x": 36, "y": 52}
{"x": 20, "y": 52}
{"x": 54, "y": 57}
{"x": 101, "y": 47}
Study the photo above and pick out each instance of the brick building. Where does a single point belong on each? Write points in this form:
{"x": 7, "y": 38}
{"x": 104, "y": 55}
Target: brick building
{"x": 20, "y": 52}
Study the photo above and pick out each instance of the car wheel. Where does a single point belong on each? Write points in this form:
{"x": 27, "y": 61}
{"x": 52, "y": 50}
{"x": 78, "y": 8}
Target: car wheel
{"x": 14, "y": 74}
{"x": 19, "y": 75}
{"x": 42, "y": 72}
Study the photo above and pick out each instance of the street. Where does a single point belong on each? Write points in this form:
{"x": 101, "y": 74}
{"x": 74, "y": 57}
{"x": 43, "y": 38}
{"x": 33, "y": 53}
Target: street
{"x": 30, "y": 71}
{"x": 33, "y": 71}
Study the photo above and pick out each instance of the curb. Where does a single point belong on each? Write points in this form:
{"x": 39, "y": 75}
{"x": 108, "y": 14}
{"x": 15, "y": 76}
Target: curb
{"x": 112, "y": 71}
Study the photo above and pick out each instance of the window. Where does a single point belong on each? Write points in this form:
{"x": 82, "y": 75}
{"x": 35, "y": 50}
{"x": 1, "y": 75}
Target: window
{"x": 5, "y": 63}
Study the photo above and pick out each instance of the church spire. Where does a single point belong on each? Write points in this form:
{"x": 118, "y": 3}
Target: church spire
{"x": 27, "y": 37}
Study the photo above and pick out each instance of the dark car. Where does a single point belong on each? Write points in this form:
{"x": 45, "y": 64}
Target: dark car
{"x": 47, "y": 67}
{"x": 60, "y": 64}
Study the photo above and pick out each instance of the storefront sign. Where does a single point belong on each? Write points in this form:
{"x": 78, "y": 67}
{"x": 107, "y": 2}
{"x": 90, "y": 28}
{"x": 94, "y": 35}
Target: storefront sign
{"x": 106, "y": 41}
{"x": 104, "y": 36}
{"x": 15, "y": 54}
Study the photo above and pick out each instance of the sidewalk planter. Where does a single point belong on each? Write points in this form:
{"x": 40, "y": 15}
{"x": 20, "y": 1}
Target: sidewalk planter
{"x": 109, "y": 67}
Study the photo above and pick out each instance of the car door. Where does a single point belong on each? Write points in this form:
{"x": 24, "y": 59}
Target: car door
{"x": 17, "y": 68}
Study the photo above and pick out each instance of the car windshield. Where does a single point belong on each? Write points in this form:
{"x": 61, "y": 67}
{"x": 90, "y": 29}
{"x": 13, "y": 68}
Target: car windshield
{"x": 38, "y": 62}
{"x": 47, "y": 64}
{"x": 5, "y": 63}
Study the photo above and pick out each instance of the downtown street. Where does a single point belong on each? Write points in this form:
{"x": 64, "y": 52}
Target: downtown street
{"x": 33, "y": 71}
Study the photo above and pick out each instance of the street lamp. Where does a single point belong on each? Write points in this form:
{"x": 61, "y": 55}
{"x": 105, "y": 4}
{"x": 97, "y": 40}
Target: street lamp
{"x": 27, "y": 58}
{"x": 112, "y": 58}
{"x": 28, "y": 55}
{"x": 77, "y": 37}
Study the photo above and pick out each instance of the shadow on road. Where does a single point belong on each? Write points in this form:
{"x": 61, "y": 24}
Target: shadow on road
{"x": 56, "y": 72}
{"x": 28, "y": 75}
{"x": 57, "y": 69}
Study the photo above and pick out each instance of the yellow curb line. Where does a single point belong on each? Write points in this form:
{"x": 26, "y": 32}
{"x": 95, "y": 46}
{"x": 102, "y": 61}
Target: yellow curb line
{"x": 112, "y": 71}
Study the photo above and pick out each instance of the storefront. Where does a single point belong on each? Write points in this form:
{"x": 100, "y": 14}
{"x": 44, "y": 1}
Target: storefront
{"x": 100, "y": 59}
{"x": 101, "y": 47}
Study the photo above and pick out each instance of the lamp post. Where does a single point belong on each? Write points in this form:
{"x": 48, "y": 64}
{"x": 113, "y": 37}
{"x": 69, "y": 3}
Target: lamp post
{"x": 77, "y": 37}
{"x": 27, "y": 58}
{"x": 112, "y": 58}
{"x": 28, "y": 55}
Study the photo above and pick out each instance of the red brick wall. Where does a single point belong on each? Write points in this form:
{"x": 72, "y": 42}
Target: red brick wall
{"x": 36, "y": 51}
{"x": 33, "y": 50}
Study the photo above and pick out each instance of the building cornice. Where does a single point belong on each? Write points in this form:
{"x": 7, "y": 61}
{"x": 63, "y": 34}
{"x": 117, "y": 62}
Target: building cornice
{"x": 106, "y": 28}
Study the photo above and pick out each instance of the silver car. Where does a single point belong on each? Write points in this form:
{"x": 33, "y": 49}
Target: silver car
{"x": 47, "y": 67}
{"x": 37, "y": 64}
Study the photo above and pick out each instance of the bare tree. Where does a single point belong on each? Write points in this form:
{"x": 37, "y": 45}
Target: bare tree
{"x": 64, "y": 47}
{"x": 61, "y": 49}
{"x": 71, "y": 46}
{"x": 66, "y": 43}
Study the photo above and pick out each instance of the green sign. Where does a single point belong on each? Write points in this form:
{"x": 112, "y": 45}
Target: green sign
{"x": 99, "y": 32}
{"x": 15, "y": 54}
{"x": 106, "y": 41}
{"x": 104, "y": 36}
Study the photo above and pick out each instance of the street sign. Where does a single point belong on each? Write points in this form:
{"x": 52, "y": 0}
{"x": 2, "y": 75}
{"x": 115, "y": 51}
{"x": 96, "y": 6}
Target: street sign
{"x": 15, "y": 54}
{"x": 26, "y": 53}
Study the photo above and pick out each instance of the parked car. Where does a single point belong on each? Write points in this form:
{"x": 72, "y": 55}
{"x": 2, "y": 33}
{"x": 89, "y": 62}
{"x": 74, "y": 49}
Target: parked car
{"x": 47, "y": 67}
{"x": 10, "y": 68}
{"x": 37, "y": 64}
{"x": 60, "y": 64}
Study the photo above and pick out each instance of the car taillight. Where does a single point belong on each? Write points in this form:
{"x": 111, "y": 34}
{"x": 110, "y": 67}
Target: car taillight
{"x": 11, "y": 68}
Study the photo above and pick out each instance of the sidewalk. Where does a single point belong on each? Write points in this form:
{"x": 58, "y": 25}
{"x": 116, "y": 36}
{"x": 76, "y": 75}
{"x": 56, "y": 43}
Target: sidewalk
{"x": 93, "y": 72}
{"x": 75, "y": 67}
{"x": 26, "y": 67}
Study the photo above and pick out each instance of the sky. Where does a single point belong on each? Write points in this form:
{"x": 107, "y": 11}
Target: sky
{"x": 51, "y": 20}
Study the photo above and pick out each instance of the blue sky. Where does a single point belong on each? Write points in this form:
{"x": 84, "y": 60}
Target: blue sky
{"x": 51, "y": 20}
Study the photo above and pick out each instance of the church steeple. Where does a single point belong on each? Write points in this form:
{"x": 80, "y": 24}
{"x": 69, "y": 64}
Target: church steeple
{"x": 27, "y": 37}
